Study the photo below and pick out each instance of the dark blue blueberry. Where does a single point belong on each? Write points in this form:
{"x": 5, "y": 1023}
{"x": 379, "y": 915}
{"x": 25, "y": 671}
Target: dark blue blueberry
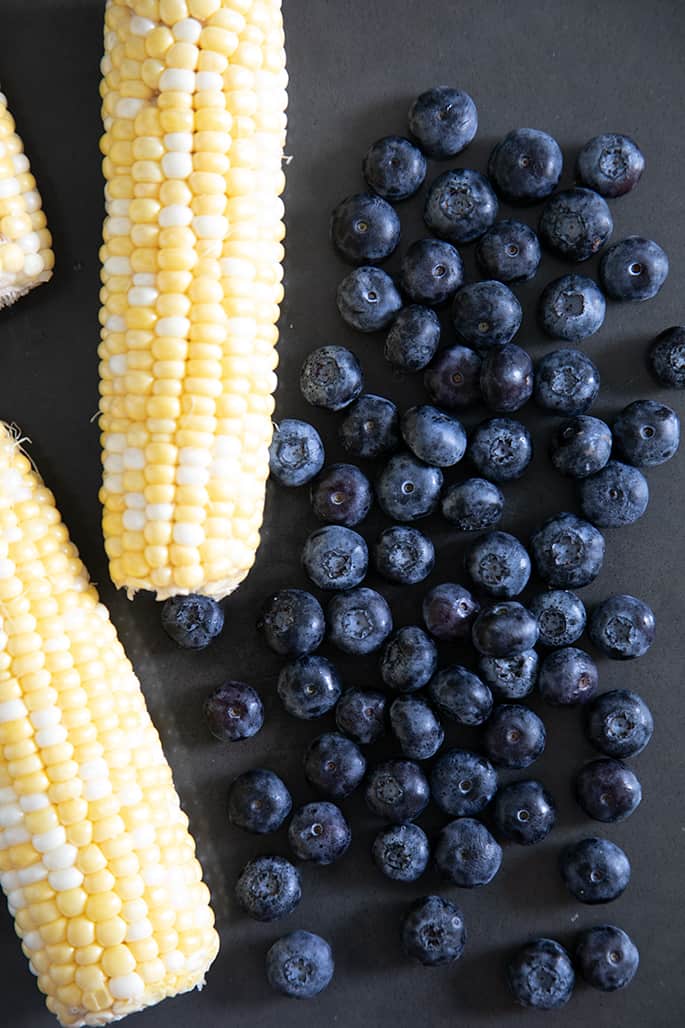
{"x": 616, "y": 495}
{"x": 335, "y": 557}
{"x": 607, "y": 957}
{"x": 453, "y": 379}
{"x": 407, "y": 489}
{"x": 368, "y": 299}
{"x": 403, "y": 555}
{"x": 466, "y": 853}
{"x": 647, "y": 433}
{"x": 293, "y": 622}
{"x": 607, "y": 790}
{"x": 433, "y": 435}
{"x": 334, "y": 765}
{"x": 524, "y": 812}
{"x": 192, "y": 621}
{"x": 619, "y": 723}
{"x": 501, "y": 448}
{"x": 566, "y": 382}
{"x": 319, "y": 832}
{"x": 397, "y": 791}
{"x": 509, "y": 251}
{"x": 568, "y": 676}
{"x": 394, "y": 168}
{"x": 541, "y": 975}
{"x": 444, "y": 120}
{"x": 568, "y": 552}
{"x": 413, "y": 338}
{"x": 341, "y": 494}
{"x": 409, "y": 659}
{"x": 594, "y": 870}
{"x": 633, "y": 269}
{"x": 561, "y": 617}
{"x": 460, "y": 205}
{"x": 360, "y": 714}
{"x": 300, "y": 965}
{"x": 268, "y": 888}
{"x": 331, "y": 377}
{"x": 499, "y": 564}
{"x": 416, "y": 728}
{"x": 462, "y": 783}
{"x": 580, "y": 446}
{"x": 359, "y": 621}
{"x": 473, "y": 504}
{"x": 234, "y": 711}
{"x": 309, "y": 686}
{"x": 431, "y": 271}
{"x": 401, "y": 852}
{"x": 504, "y": 630}
{"x": 460, "y": 695}
{"x": 572, "y": 308}
{"x": 433, "y": 931}
{"x": 526, "y": 165}
{"x": 364, "y": 228}
{"x": 514, "y": 736}
{"x": 611, "y": 163}
{"x": 575, "y": 223}
{"x": 506, "y": 378}
{"x": 511, "y": 677}
{"x": 296, "y": 453}
{"x": 667, "y": 357}
{"x": 622, "y": 627}
{"x": 371, "y": 427}
{"x": 258, "y": 801}
{"x": 448, "y": 611}
{"x": 486, "y": 315}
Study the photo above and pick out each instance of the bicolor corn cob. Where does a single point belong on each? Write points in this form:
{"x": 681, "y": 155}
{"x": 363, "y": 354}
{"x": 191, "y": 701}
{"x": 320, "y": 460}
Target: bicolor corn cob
{"x": 26, "y": 257}
{"x": 96, "y": 859}
{"x": 193, "y": 101}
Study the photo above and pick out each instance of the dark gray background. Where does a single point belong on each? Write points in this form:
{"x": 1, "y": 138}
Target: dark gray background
{"x": 572, "y": 69}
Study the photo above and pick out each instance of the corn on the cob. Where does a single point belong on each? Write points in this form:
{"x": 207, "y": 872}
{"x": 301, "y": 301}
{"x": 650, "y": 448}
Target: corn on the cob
{"x": 96, "y": 859}
{"x": 26, "y": 257}
{"x": 194, "y": 96}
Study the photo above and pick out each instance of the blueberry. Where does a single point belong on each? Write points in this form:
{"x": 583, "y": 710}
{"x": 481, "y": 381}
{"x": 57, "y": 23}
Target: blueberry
{"x": 192, "y": 621}
{"x": 403, "y": 555}
{"x": 504, "y": 630}
{"x": 499, "y": 564}
{"x": 460, "y": 695}
{"x": 331, "y": 377}
{"x": 394, "y": 168}
{"x": 397, "y": 791}
{"x": 622, "y": 627}
{"x": 268, "y": 888}
{"x": 401, "y": 852}
{"x": 296, "y": 453}
{"x": 319, "y": 832}
{"x": 360, "y": 714}
{"x": 416, "y": 728}
{"x": 334, "y": 765}
{"x": 647, "y": 433}
{"x": 431, "y": 272}
{"x": 486, "y": 315}
{"x": 341, "y": 494}
{"x": 409, "y": 659}
{"x": 292, "y": 622}
{"x": 448, "y": 611}
{"x": 561, "y": 617}
{"x": 433, "y": 435}
{"x": 509, "y": 251}
{"x": 511, "y": 677}
{"x": 473, "y": 504}
{"x": 368, "y": 299}
{"x": 566, "y": 382}
{"x": 433, "y": 931}
{"x": 466, "y": 853}
{"x": 258, "y": 801}
{"x": 611, "y": 163}
{"x": 413, "y": 338}
{"x": 371, "y": 427}
{"x": 309, "y": 686}
{"x": 234, "y": 711}
{"x": 359, "y": 620}
{"x": 580, "y": 446}
{"x": 616, "y": 495}
{"x": 364, "y": 228}
{"x": 575, "y": 223}
{"x": 453, "y": 379}
{"x": 443, "y": 120}
{"x": 335, "y": 557}
{"x": 619, "y": 723}
{"x": 514, "y": 736}
{"x": 633, "y": 269}
{"x": 594, "y": 870}
{"x": 500, "y": 448}
{"x": 408, "y": 489}
{"x": 568, "y": 676}
{"x": 524, "y": 812}
{"x": 460, "y": 205}
{"x": 526, "y": 165}
{"x": 299, "y": 965}
{"x": 667, "y": 357}
{"x": 506, "y": 378}
{"x": 541, "y": 975}
{"x": 607, "y": 790}
{"x": 568, "y": 552}
{"x": 572, "y": 308}
{"x": 607, "y": 957}
{"x": 462, "y": 783}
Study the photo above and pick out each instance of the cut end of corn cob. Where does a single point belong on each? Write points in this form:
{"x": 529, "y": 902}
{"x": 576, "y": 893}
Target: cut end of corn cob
{"x": 96, "y": 860}
{"x": 193, "y": 104}
{"x": 26, "y": 257}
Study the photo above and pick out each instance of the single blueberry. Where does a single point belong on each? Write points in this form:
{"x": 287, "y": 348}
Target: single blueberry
{"x": 506, "y": 378}
{"x": 413, "y": 338}
{"x": 404, "y": 555}
{"x": 460, "y": 205}
{"x": 368, "y": 299}
{"x": 409, "y": 659}
{"x": 341, "y": 494}
{"x": 453, "y": 379}
{"x": 309, "y": 686}
{"x": 371, "y": 427}
{"x": 360, "y": 714}
{"x": 611, "y": 164}
{"x": 500, "y": 449}
{"x": 364, "y": 228}
{"x": 293, "y": 622}
{"x": 499, "y": 564}
{"x": 334, "y": 765}
{"x": 622, "y": 627}
{"x": 561, "y": 617}
{"x": 504, "y": 630}
{"x": 607, "y": 957}
{"x": 433, "y": 931}
{"x": 568, "y": 552}
{"x": 462, "y": 783}
{"x": 511, "y": 677}
{"x": 444, "y": 120}
{"x": 431, "y": 272}
{"x": 299, "y": 965}
{"x": 319, "y": 832}
{"x": 460, "y": 695}
{"x": 486, "y": 315}
{"x": 335, "y": 557}
{"x": 541, "y": 975}
{"x": 408, "y": 489}
{"x": 594, "y": 870}
{"x": 514, "y": 736}
{"x": 619, "y": 723}
{"x": 509, "y": 251}
{"x": 572, "y": 308}
{"x": 467, "y": 854}
{"x": 568, "y": 676}
{"x": 234, "y": 711}
{"x": 580, "y": 446}
{"x": 473, "y": 504}
{"x": 633, "y": 269}
{"x": 296, "y": 453}
{"x": 616, "y": 495}
{"x": 524, "y": 812}
{"x": 397, "y": 791}
{"x": 192, "y": 621}
{"x": 394, "y": 168}
{"x": 268, "y": 888}
{"x": 566, "y": 382}
{"x": 258, "y": 801}
{"x": 647, "y": 433}
{"x": 607, "y": 790}
{"x": 331, "y": 377}
{"x": 448, "y": 611}
{"x": 667, "y": 357}
{"x": 575, "y": 223}
{"x": 433, "y": 435}
{"x": 401, "y": 852}
{"x": 359, "y": 620}
{"x": 416, "y": 728}
{"x": 526, "y": 165}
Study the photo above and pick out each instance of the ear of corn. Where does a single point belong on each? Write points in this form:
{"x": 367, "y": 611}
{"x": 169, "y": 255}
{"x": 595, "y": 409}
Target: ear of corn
{"x": 193, "y": 102}
{"x": 96, "y": 860}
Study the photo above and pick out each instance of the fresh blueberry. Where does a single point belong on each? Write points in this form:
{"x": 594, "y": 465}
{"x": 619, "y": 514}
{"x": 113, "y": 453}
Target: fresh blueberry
{"x": 566, "y": 382}
{"x": 667, "y": 357}
{"x": 619, "y": 723}
{"x": 309, "y": 686}
{"x": 364, "y": 228}
{"x": 524, "y": 812}
{"x": 611, "y": 163}
{"x": 622, "y": 627}
{"x": 509, "y": 251}
{"x": 394, "y": 168}
{"x": 401, "y": 852}
{"x": 514, "y": 736}
{"x": 397, "y": 791}
{"x": 334, "y": 765}
{"x": 293, "y": 622}
{"x": 572, "y": 308}
{"x": 408, "y": 489}
{"x": 501, "y": 448}
{"x": 268, "y": 888}
{"x": 568, "y": 676}
{"x": 368, "y": 299}
{"x": 299, "y": 965}
{"x": 506, "y": 378}
{"x": 616, "y": 495}
{"x": 444, "y": 120}
{"x": 568, "y": 552}
{"x": 499, "y": 564}
{"x": 647, "y": 433}
{"x": 433, "y": 435}
{"x": 460, "y": 205}
{"x": 413, "y": 338}
{"x": 526, "y": 165}
{"x": 335, "y": 557}
{"x": 371, "y": 427}
{"x": 319, "y": 832}
{"x": 296, "y": 453}
{"x": 541, "y": 975}
{"x": 258, "y": 801}
{"x": 633, "y": 269}
{"x": 192, "y": 621}
{"x": 607, "y": 790}
{"x": 580, "y": 446}
{"x": 561, "y": 617}
{"x": 607, "y": 957}
{"x": 462, "y": 783}
{"x": 460, "y": 695}
{"x": 341, "y": 494}
{"x": 416, "y": 728}
{"x": 473, "y": 504}
{"x": 511, "y": 677}
{"x": 331, "y": 377}
{"x": 453, "y": 379}
{"x": 466, "y": 853}
{"x": 448, "y": 611}
{"x": 575, "y": 223}
{"x": 433, "y": 931}
{"x": 234, "y": 711}
{"x": 504, "y": 630}
{"x": 431, "y": 272}
{"x": 359, "y": 620}
{"x": 404, "y": 555}
{"x": 594, "y": 870}
{"x": 486, "y": 315}
{"x": 409, "y": 659}
{"x": 360, "y": 714}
